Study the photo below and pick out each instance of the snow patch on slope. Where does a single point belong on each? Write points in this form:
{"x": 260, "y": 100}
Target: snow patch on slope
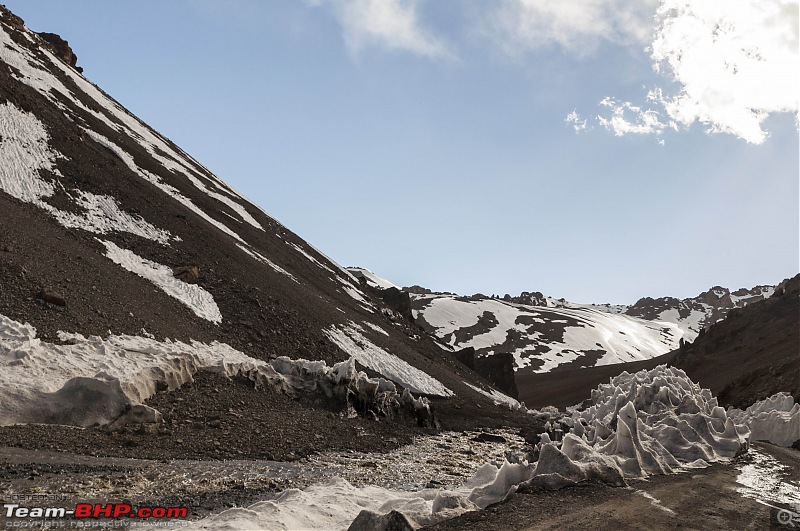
{"x": 196, "y": 298}
{"x": 497, "y": 397}
{"x": 25, "y": 153}
{"x": 620, "y": 338}
{"x": 350, "y": 339}
{"x": 263, "y": 259}
{"x": 371, "y": 278}
{"x": 377, "y": 328}
{"x": 156, "y": 181}
{"x": 310, "y": 258}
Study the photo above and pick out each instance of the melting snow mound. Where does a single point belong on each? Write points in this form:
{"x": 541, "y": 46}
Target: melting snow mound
{"x": 651, "y": 422}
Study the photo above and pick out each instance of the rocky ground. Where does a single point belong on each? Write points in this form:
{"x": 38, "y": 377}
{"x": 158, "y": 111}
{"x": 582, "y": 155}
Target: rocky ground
{"x": 207, "y": 486}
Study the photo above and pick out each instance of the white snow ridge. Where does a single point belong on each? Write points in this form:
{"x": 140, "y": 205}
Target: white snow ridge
{"x": 98, "y": 380}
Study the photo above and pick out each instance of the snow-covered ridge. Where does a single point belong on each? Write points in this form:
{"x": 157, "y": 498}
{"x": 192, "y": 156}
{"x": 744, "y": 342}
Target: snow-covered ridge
{"x": 543, "y": 337}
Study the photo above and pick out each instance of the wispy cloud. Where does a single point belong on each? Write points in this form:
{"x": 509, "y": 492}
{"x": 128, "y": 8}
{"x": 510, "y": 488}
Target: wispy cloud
{"x": 388, "y": 24}
{"x": 577, "y": 123}
{"x": 579, "y": 27}
{"x": 627, "y": 118}
{"x": 735, "y": 62}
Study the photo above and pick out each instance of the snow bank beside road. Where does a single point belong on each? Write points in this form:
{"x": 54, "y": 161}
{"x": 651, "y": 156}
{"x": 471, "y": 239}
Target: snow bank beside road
{"x": 96, "y": 380}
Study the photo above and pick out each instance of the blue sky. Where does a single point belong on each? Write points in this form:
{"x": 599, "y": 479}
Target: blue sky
{"x": 430, "y": 141}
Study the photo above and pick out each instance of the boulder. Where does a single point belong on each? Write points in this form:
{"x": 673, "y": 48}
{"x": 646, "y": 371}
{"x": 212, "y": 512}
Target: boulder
{"x": 188, "y": 274}
{"x": 369, "y": 521}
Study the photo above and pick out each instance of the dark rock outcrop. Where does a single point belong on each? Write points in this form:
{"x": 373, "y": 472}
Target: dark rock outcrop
{"x": 61, "y": 49}
{"x": 397, "y": 300}
{"x": 417, "y": 290}
{"x": 466, "y": 356}
{"x": 369, "y": 521}
{"x": 499, "y": 369}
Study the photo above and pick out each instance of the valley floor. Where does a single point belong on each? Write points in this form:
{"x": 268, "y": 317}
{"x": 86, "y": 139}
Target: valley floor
{"x": 711, "y": 498}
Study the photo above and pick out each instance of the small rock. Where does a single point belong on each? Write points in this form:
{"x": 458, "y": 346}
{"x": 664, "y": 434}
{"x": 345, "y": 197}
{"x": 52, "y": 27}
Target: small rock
{"x": 488, "y": 437}
{"x": 369, "y": 521}
{"x": 52, "y": 298}
{"x": 188, "y": 274}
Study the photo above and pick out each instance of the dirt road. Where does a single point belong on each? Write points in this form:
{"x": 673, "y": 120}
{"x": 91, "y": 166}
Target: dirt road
{"x": 697, "y": 499}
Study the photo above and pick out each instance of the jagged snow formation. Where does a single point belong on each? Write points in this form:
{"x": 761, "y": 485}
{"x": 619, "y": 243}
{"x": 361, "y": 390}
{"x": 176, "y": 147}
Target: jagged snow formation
{"x": 350, "y": 339}
{"x": 196, "y": 298}
{"x": 98, "y": 380}
{"x": 775, "y": 419}
{"x": 25, "y": 154}
{"x": 651, "y": 422}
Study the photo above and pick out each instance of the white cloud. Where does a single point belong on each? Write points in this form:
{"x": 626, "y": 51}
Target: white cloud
{"x": 576, "y": 121}
{"x": 627, "y": 118}
{"x": 390, "y": 24}
{"x": 577, "y": 26}
{"x": 735, "y": 62}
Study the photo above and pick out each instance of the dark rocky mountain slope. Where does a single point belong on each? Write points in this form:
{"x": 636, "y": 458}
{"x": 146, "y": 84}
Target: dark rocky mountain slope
{"x": 109, "y": 229}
